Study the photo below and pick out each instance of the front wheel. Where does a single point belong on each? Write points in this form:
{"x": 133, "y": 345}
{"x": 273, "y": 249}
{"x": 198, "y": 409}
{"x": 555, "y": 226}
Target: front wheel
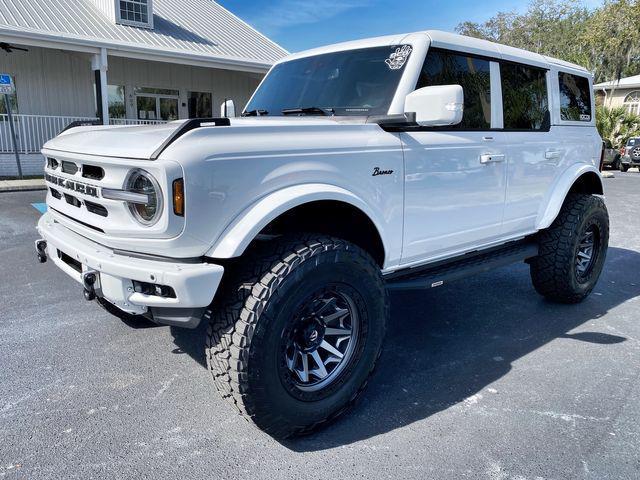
{"x": 572, "y": 250}
{"x": 297, "y": 332}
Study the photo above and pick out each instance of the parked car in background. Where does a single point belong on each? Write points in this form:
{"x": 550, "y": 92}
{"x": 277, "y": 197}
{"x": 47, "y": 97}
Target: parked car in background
{"x": 631, "y": 156}
{"x": 611, "y": 156}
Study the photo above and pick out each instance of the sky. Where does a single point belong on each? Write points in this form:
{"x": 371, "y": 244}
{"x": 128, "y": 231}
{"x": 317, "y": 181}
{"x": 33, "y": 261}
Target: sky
{"x": 301, "y": 24}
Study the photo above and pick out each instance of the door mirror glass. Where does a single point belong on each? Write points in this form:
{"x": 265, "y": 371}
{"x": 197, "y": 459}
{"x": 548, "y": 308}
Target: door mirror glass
{"x": 436, "y": 106}
{"x": 228, "y": 109}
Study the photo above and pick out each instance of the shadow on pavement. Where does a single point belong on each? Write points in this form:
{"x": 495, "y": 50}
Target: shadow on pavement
{"x": 447, "y": 344}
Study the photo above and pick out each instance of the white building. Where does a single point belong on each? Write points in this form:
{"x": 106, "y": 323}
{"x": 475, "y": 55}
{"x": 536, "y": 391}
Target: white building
{"x": 122, "y": 61}
{"x": 623, "y": 93}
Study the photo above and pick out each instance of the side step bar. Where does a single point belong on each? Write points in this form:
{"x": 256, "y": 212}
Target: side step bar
{"x": 439, "y": 273}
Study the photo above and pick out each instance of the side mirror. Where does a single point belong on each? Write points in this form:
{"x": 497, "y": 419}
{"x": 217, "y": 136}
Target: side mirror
{"x": 228, "y": 109}
{"x": 436, "y": 106}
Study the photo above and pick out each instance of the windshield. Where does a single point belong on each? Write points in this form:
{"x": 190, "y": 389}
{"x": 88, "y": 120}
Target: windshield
{"x": 354, "y": 82}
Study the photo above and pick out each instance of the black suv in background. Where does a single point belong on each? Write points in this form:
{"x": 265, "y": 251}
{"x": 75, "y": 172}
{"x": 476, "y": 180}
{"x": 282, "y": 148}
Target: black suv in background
{"x": 631, "y": 156}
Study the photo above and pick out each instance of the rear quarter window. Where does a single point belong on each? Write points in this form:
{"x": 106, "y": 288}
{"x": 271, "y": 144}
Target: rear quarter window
{"x": 575, "y": 98}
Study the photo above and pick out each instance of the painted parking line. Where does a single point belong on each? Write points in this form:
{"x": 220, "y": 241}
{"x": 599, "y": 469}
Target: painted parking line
{"x": 41, "y": 207}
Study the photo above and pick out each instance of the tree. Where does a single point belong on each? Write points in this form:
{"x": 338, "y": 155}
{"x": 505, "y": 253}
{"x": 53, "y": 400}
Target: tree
{"x": 617, "y": 125}
{"x": 605, "y": 40}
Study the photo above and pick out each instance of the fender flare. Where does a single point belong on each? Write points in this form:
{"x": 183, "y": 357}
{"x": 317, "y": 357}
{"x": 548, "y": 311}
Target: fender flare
{"x": 560, "y": 190}
{"x": 237, "y": 236}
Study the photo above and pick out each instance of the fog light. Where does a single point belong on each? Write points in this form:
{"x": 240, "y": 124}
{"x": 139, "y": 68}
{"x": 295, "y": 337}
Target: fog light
{"x": 153, "y": 290}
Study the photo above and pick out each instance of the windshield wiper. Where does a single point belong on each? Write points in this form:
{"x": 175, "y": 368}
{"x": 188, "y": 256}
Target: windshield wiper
{"x": 255, "y": 113}
{"x": 308, "y": 110}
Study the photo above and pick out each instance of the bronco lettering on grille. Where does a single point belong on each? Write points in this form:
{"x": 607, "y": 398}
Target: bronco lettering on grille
{"x": 72, "y": 185}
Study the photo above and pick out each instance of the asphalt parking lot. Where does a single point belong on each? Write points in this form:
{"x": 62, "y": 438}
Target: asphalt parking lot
{"x": 479, "y": 379}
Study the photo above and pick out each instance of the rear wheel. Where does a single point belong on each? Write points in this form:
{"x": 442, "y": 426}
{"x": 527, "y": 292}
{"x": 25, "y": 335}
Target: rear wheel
{"x": 297, "y": 332}
{"x": 572, "y": 250}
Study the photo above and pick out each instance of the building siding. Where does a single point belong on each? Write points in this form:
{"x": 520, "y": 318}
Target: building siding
{"x": 223, "y": 84}
{"x": 55, "y": 82}
{"x": 51, "y": 82}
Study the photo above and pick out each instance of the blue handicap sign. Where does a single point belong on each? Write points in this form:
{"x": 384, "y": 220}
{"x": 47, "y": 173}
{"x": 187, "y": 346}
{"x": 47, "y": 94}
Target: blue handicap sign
{"x": 6, "y": 84}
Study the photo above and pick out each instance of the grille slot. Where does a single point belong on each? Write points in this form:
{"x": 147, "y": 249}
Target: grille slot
{"x": 55, "y": 193}
{"x": 71, "y": 200}
{"x": 92, "y": 172}
{"x": 96, "y": 209}
{"x": 52, "y": 163}
{"x": 69, "y": 167}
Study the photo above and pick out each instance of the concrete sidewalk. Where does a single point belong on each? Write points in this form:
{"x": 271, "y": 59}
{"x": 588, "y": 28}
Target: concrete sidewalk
{"x": 22, "y": 185}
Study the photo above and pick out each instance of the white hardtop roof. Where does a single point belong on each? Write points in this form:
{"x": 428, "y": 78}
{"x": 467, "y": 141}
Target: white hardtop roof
{"x": 192, "y": 30}
{"x": 629, "y": 82}
{"x": 448, "y": 40}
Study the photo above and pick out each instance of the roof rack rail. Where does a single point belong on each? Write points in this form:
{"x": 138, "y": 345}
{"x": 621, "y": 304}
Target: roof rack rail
{"x": 187, "y": 127}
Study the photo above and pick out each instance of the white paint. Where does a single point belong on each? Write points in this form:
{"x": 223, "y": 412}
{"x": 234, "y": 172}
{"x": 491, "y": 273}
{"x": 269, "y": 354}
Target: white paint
{"x": 442, "y": 197}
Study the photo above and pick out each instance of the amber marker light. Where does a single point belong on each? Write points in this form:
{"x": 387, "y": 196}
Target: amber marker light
{"x": 178, "y": 197}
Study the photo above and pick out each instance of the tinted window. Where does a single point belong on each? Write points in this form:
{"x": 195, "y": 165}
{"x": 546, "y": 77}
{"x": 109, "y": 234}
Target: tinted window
{"x": 524, "y": 97}
{"x": 472, "y": 74}
{"x": 575, "y": 98}
{"x": 354, "y": 82}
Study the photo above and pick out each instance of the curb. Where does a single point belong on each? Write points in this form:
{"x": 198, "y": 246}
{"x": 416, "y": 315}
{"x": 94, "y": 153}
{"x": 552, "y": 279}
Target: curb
{"x": 21, "y": 185}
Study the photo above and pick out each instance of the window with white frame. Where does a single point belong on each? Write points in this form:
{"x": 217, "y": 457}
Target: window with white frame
{"x": 632, "y": 102}
{"x": 135, "y": 12}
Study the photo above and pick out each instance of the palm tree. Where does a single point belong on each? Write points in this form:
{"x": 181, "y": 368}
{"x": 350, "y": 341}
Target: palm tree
{"x": 617, "y": 125}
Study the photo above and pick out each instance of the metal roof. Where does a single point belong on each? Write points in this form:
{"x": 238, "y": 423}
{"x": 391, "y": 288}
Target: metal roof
{"x": 195, "y": 27}
{"x": 629, "y": 82}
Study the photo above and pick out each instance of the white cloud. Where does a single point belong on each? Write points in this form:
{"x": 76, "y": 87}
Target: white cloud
{"x": 287, "y": 13}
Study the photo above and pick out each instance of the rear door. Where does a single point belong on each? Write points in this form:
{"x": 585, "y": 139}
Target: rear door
{"x": 532, "y": 148}
{"x": 454, "y": 176}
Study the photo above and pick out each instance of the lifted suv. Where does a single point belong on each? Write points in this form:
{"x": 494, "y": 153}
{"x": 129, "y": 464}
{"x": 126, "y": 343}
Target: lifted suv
{"x": 402, "y": 162}
{"x": 631, "y": 156}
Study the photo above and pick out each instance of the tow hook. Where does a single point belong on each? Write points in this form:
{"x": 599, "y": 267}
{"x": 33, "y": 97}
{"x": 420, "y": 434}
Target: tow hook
{"x": 89, "y": 279}
{"x": 41, "y": 250}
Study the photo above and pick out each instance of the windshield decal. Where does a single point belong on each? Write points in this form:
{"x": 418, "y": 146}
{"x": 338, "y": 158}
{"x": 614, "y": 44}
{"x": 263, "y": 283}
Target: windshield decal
{"x": 398, "y": 58}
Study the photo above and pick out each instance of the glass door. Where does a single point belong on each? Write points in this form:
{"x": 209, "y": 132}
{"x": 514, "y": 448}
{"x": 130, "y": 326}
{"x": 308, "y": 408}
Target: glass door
{"x": 168, "y": 108}
{"x": 157, "y": 104}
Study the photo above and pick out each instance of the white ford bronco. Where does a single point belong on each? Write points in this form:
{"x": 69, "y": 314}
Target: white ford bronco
{"x": 402, "y": 162}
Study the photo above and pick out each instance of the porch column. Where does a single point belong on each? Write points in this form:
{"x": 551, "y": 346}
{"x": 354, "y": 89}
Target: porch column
{"x": 99, "y": 65}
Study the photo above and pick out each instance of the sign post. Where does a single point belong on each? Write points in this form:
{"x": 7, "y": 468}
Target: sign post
{"x": 8, "y": 88}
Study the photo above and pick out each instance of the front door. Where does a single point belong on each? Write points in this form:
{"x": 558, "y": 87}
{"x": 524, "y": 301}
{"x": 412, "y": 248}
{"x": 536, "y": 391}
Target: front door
{"x": 455, "y": 177}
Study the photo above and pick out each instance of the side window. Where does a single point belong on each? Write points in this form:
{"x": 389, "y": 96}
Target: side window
{"x": 524, "y": 97}
{"x": 575, "y": 98}
{"x": 472, "y": 74}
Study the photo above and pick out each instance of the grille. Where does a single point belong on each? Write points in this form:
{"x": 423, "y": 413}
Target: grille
{"x": 69, "y": 167}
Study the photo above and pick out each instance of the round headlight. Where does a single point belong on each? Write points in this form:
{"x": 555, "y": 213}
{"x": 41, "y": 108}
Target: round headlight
{"x": 149, "y": 212}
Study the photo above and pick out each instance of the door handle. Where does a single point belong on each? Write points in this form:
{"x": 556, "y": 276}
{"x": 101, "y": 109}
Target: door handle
{"x": 551, "y": 154}
{"x": 491, "y": 158}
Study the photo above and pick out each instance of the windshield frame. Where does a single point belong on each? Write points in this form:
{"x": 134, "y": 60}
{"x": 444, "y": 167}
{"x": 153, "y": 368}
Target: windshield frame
{"x": 419, "y": 42}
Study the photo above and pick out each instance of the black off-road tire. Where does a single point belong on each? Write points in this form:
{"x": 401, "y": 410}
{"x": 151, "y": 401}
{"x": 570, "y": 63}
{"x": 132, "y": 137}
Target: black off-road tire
{"x": 553, "y": 271}
{"x": 616, "y": 163}
{"x": 255, "y": 307}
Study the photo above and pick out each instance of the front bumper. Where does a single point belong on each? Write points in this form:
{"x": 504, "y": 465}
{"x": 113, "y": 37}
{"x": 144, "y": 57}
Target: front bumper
{"x": 194, "y": 284}
{"x": 628, "y": 160}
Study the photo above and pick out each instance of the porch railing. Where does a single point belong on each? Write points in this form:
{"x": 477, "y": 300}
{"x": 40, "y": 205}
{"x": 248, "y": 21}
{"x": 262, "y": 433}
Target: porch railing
{"x": 33, "y": 131}
{"x": 133, "y": 121}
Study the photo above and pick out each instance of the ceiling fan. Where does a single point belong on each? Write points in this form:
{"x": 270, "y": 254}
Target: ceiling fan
{"x": 10, "y": 48}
